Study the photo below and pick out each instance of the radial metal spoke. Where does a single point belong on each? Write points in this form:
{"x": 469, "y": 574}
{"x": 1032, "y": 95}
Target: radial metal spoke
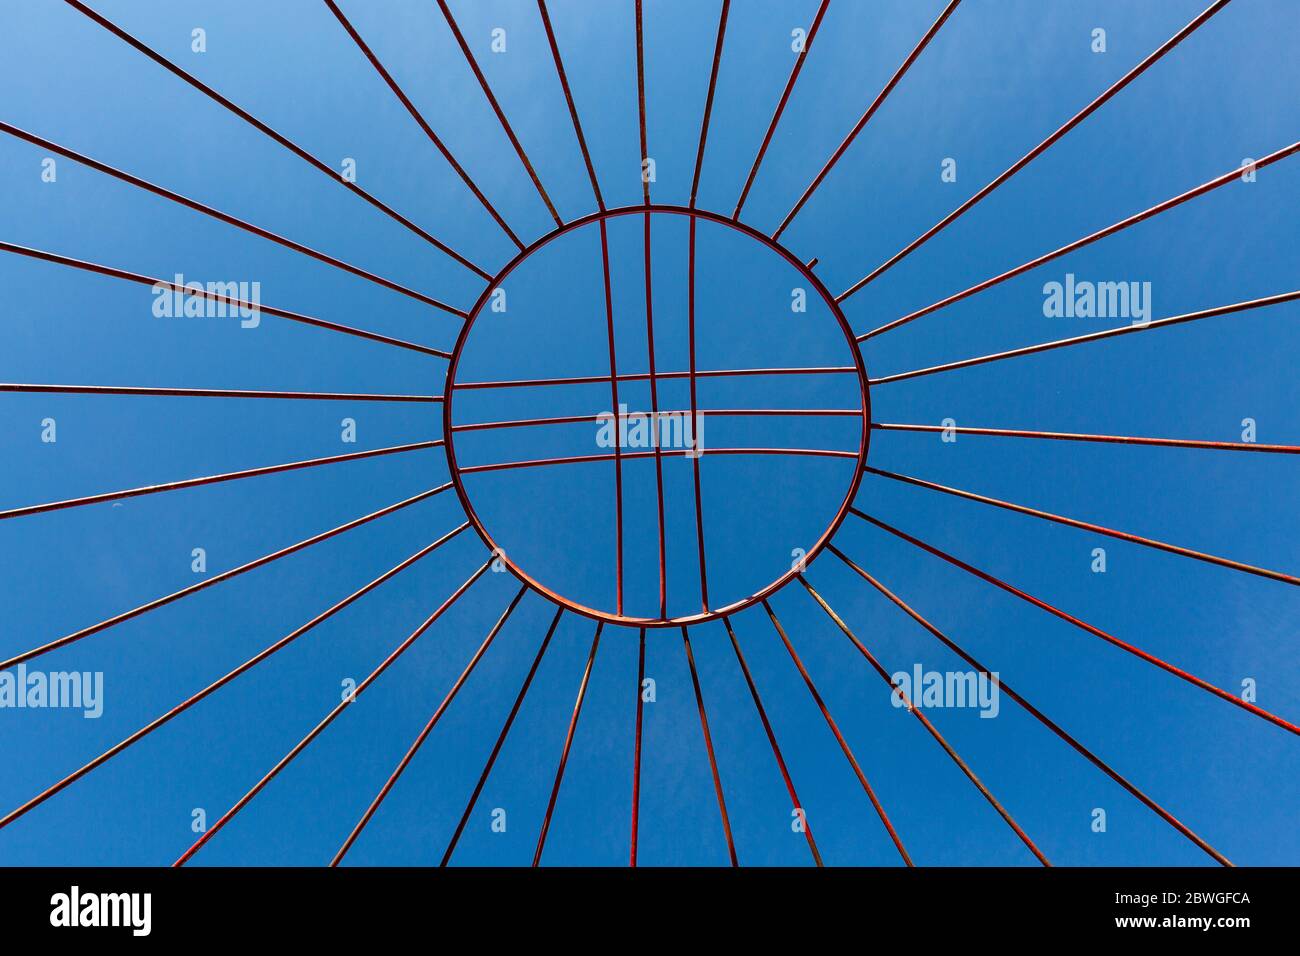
{"x": 636, "y": 751}
{"x": 329, "y": 718}
{"x": 780, "y": 107}
{"x": 659, "y": 376}
{"x": 925, "y": 721}
{"x": 1231, "y": 176}
{"x": 1037, "y": 714}
{"x": 1093, "y": 337}
{"x": 575, "y": 459}
{"x": 210, "y": 393}
{"x": 568, "y": 743}
{"x": 424, "y": 126}
{"x": 496, "y": 108}
{"x": 1084, "y": 626}
{"x": 501, "y": 738}
{"x": 217, "y": 579}
{"x": 866, "y": 117}
{"x": 428, "y": 729}
{"x": 1042, "y": 147}
{"x": 708, "y": 746}
{"x": 212, "y": 479}
{"x": 224, "y": 680}
{"x": 839, "y": 737}
{"x": 654, "y": 405}
{"x": 771, "y": 739}
{"x": 1076, "y": 436}
{"x": 226, "y": 218}
{"x": 568, "y": 98}
{"x": 618, "y": 443}
{"x": 268, "y": 131}
{"x": 1095, "y": 528}
{"x": 224, "y": 300}
{"x": 640, "y": 102}
{"x": 708, "y": 108}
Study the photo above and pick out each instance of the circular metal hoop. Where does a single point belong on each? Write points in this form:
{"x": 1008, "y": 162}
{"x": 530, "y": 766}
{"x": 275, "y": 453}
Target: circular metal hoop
{"x": 767, "y": 242}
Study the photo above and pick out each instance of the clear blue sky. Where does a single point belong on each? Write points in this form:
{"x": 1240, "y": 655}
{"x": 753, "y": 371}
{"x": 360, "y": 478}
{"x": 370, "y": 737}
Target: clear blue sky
{"x": 999, "y": 77}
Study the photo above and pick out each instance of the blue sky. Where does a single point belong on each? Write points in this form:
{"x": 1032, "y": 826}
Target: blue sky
{"x": 997, "y": 79}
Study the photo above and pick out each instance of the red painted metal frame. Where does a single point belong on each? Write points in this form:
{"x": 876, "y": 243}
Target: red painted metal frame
{"x": 568, "y": 744}
{"x": 630, "y": 455}
{"x": 423, "y": 735}
{"x": 501, "y": 738}
{"x": 51, "y": 389}
{"x": 929, "y": 726}
{"x": 329, "y": 718}
{"x": 706, "y": 412}
{"x": 263, "y": 128}
{"x": 228, "y": 219}
{"x": 708, "y": 747}
{"x": 496, "y": 108}
{"x": 653, "y": 376}
{"x": 695, "y": 412}
{"x": 229, "y": 301}
{"x": 424, "y": 126}
{"x": 1165, "y": 323}
{"x": 613, "y": 388}
{"x": 1083, "y": 625}
{"x": 660, "y": 376}
{"x": 636, "y": 751}
{"x": 1088, "y": 526}
{"x": 866, "y": 117}
{"x": 640, "y": 100}
{"x": 1038, "y": 150}
{"x": 780, "y": 107}
{"x": 1223, "y": 179}
{"x": 839, "y": 737}
{"x": 795, "y": 803}
{"x": 218, "y": 578}
{"x": 708, "y": 103}
{"x": 1042, "y": 718}
{"x": 213, "y": 479}
{"x": 654, "y": 424}
{"x": 568, "y": 99}
{"x": 457, "y": 471}
{"x": 1103, "y": 439}
{"x": 222, "y": 681}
